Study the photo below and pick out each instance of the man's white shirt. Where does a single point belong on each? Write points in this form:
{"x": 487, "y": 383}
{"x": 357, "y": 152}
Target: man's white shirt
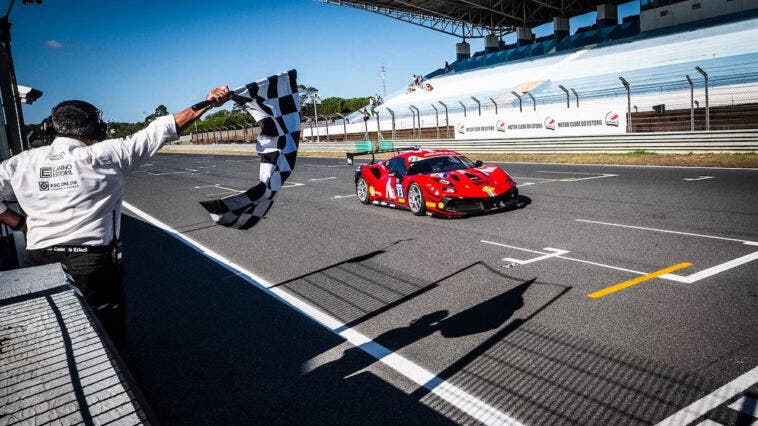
{"x": 72, "y": 192}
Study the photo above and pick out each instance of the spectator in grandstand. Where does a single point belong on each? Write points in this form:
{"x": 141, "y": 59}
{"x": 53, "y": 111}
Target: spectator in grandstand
{"x": 366, "y": 114}
{"x": 448, "y": 68}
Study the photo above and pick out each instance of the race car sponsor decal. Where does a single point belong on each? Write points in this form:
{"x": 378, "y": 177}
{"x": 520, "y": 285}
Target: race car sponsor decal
{"x": 399, "y": 190}
{"x": 489, "y": 190}
{"x": 401, "y": 200}
{"x": 413, "y": 159}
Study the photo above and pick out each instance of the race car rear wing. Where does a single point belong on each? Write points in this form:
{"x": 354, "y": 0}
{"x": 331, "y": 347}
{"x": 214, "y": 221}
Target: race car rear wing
{"x": 350, "y": 155}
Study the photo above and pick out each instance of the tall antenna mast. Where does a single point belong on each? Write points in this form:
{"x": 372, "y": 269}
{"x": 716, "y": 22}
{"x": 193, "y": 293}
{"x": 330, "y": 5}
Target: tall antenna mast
{"x": 384, "y": 83}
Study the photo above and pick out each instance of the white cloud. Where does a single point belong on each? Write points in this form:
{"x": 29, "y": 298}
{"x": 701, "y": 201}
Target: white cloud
{"x": 53, "y": 44}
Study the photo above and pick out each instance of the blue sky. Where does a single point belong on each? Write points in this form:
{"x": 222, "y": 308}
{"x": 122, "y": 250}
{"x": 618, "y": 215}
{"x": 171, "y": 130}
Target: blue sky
{"x": 127, "y": 57}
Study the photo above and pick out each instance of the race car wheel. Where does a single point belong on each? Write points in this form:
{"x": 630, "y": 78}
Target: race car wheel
{"x": 416, "y": 200}
{"x": 361, "y": 190}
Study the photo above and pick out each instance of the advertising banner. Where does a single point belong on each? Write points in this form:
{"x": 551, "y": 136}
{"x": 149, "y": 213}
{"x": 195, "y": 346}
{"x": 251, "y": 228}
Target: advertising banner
{"x": 545, "y": 122}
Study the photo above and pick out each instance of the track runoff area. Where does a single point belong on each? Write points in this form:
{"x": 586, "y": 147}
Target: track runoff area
{"x": 617, "y": 295}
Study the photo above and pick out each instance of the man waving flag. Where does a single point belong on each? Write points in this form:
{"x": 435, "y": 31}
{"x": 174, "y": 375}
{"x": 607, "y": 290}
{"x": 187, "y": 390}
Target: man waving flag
{"x": 274, "y": 103}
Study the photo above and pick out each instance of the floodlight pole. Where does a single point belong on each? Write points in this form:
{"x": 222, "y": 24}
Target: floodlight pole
{"x": 464, "y": 108}
{"x": 447, "y": 122}
{"x": 707, "y": 104}
{"x": 692, "y": 103}
{"x": 494, "y": 103}
{"x": 577, "y": 97}
{"x": 378, "y": 130}
{"x": 520, "y": 109}
{"x": 568, "y": 98}
{"x": 628, "y": 103}
{"x": 478, "y": 104}
{"x": 326, "y": 127}
{"x": 437, "y": 120}
{"x": 534, "y": 101}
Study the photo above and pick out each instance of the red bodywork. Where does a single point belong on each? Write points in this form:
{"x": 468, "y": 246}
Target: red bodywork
{"x": 473, "y": 188}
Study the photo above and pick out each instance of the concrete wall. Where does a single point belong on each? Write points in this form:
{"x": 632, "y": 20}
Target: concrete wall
{"x": 690, "y": 11}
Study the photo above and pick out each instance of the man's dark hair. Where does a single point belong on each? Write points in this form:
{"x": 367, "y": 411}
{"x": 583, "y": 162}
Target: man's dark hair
{"x": 77, "y": 119}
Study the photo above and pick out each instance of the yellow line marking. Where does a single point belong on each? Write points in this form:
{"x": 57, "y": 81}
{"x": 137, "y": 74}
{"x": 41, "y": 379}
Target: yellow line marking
{"x": 625, "y": 284}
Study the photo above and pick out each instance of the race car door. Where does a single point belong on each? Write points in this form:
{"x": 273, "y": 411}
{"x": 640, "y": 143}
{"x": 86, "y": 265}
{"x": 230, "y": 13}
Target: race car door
{"x": 394, "y": 189}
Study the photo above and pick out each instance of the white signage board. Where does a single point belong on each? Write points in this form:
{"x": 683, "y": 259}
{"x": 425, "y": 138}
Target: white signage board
{"x": 584, "y": 121}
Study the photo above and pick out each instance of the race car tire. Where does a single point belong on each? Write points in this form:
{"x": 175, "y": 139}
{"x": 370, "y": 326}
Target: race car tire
{"x": 416, "y": 201}
{"x": 361, "y": 190}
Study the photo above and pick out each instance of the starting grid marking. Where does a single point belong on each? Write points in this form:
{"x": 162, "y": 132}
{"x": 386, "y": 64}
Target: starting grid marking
{"x": 666, "y": 273}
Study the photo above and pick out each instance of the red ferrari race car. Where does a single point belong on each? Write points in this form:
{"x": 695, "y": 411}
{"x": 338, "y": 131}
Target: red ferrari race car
{"x": 439, "y": 182}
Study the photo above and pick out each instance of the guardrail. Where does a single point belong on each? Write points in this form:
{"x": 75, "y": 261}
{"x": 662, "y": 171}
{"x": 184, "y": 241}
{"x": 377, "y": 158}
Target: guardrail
{"x": 665, "y": 142}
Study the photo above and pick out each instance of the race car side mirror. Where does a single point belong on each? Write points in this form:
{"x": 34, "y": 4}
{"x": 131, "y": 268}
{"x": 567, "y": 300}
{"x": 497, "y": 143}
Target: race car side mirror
{"x": 393, "y": 174}
{"x": 478, "y": 163}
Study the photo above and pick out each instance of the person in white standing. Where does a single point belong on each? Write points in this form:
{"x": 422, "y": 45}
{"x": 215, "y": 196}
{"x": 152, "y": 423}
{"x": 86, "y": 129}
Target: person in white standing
{"x": 71, "y": 191}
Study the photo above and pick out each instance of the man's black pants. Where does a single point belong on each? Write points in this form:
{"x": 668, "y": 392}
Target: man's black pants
{"x": 99, "y": 279}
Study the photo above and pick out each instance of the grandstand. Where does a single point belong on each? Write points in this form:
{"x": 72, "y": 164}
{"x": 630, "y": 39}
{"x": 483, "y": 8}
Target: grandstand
{"x": 583, "y": 67}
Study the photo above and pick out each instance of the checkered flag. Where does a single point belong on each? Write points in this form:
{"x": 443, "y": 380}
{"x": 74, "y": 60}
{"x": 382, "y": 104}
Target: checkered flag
{"x": 274, "y": 103}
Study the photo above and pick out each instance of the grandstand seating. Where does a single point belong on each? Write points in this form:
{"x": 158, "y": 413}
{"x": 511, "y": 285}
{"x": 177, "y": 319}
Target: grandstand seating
{"x": 725, "y": 50}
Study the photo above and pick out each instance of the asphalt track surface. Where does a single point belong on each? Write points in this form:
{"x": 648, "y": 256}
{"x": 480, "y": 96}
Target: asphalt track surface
{"x": 483, "y": 319}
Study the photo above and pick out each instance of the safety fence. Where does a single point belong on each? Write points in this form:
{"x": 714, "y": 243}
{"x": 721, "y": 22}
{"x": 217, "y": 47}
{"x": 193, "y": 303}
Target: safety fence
{"x": 661, "y": 142}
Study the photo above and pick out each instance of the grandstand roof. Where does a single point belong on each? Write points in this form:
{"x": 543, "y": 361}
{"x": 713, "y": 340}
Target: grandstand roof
{"x": 475, "y": 18}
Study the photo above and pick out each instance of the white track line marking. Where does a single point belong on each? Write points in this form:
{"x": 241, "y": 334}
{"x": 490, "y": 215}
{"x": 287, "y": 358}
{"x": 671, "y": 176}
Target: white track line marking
{"x": 698, "y": 178}
{"x": 693, "y": 411}
{"x": 567, "y": 258}
{"x": 570, "y": 173}
{"x": 318, "y": 179}
{"x": 668, "y": 232}
{"x": 337, "y": 197}
{"x": 530, "y": 178}
{"x": 457, "y": 397}
{"x": 173, "y": 173}
{"x": 705, "y": 273}
{"x": 606, "y": 175}
{"x": 553, "y": 253}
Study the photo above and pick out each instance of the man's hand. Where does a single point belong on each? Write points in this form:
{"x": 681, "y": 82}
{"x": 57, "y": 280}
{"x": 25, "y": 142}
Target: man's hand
{"x": 219, "y": 95}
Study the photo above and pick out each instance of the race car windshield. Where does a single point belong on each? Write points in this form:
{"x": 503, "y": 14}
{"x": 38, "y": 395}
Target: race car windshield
{"x": 440, "y": 164}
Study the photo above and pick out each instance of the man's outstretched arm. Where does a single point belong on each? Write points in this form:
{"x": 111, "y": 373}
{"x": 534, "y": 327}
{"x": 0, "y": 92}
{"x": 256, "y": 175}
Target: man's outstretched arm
{"x": 218, "y": 96}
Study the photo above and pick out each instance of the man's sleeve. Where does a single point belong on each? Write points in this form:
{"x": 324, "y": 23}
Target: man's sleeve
{"x": 129, "y": 152}
{"x": 6, "y": 190}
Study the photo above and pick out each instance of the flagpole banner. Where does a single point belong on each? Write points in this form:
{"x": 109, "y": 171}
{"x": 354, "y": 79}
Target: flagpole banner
{"x": 546, "y": 122}
{"x": 274, "y": 103}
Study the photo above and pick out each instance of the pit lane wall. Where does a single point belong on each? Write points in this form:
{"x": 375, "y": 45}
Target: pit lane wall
{"x": 729, "y": 141}
{"x": 548, "y": 122}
